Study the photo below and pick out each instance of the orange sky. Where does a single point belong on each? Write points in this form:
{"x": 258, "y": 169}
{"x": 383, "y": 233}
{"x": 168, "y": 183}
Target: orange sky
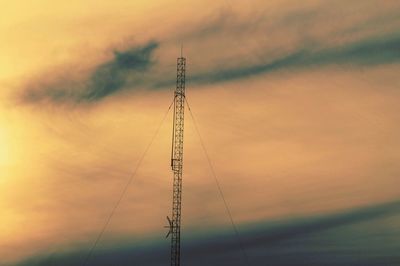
{"x": 313, "y": 135}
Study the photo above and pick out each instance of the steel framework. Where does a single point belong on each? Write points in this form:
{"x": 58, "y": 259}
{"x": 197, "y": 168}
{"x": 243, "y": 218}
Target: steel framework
{"x": 177, "y": 162}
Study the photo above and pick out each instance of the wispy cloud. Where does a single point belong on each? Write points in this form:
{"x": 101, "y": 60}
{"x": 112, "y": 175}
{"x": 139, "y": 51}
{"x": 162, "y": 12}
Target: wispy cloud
{"x": 297, "y": 40}
{"x": 297, "y": 239}
{"x": 125, "y": 68}
{"x": 113, "y": 76}
{"x": 384, "y": 50}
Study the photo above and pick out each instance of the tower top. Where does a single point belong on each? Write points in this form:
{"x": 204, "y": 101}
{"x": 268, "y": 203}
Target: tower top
{"x": 181, "y": 49}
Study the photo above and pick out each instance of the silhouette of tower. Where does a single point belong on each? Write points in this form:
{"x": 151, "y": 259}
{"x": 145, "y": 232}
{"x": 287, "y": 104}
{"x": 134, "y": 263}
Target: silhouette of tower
{"x": 177, "y": 161}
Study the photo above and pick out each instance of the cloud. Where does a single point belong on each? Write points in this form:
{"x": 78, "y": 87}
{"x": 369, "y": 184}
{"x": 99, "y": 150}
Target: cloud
{"x": 290, "y": 242}
{"x": 298, "y": 39}
{"x": 293, "y": 230}
{"x": 126, "y": 67}
{"x": 113, "y": 76}
{"x": 370, "y": 52}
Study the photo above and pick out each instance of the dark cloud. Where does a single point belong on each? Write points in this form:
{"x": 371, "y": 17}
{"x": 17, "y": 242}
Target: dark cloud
{"x": 113, "y": 76}
{"x": 295, "y": 229}
{"x": 347, "y": 238}
{"x": 219, "y": 41}
{"x": 364, "y": 53}
{"x": 126, "y": 68}
{"x": 385, "y": 50}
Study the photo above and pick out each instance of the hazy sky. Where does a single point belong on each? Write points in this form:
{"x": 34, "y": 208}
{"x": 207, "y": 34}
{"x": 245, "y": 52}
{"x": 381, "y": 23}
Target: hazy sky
{"x": 297, "y": 103}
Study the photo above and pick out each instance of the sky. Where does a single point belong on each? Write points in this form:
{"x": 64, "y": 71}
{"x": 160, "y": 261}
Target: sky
{"x": 296, "y": 104}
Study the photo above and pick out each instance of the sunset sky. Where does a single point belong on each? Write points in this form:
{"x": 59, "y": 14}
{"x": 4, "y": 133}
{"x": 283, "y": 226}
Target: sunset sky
{"x": 297, "y": 102}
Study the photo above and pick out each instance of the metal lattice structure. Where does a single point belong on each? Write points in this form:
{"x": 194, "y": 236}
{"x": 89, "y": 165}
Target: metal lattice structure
{"x": 177, "y": 162}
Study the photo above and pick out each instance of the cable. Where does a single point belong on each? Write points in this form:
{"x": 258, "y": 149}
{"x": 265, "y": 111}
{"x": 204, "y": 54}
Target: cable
{"x": 246, "y": 259}
{"x": 88, "y": 256}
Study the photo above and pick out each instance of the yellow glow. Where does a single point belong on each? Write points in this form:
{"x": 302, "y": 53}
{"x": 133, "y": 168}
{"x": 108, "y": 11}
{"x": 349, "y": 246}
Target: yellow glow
{"x": 284, "y": 144}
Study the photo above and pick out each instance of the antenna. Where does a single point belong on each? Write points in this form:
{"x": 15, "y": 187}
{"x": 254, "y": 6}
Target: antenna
{"x": 181, "y": 50}
{"x": 174, "y": 224}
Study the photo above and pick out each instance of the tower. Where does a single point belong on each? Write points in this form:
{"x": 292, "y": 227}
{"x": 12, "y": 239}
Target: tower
{"x": 177, "y": 161}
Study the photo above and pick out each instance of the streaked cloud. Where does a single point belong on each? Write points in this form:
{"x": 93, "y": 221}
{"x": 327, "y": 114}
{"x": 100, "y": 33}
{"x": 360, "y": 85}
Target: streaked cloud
{"x": 126, "y": 67}
{"x": 283, "y": 242}
{"x": 371, "y": 52}
{"x": 291, "y": 41}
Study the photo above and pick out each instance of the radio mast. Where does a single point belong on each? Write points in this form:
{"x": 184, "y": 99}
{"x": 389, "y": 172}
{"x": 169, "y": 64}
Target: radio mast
{"x": 177, "y": 161}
